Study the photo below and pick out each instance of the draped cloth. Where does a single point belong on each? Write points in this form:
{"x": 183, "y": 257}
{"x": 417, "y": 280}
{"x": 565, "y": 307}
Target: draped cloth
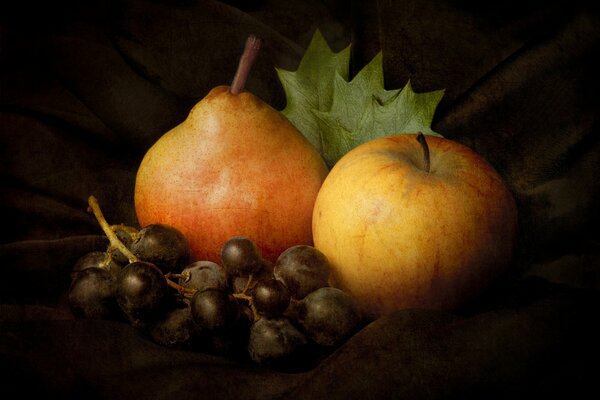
{"x": 87, "y": 88}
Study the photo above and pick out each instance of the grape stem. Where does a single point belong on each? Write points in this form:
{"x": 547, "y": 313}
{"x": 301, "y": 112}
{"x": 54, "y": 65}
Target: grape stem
{"x": 248, "y": 283}
{"x": 248, "y": 298}
{"x": 107, "y": 260}
{"x": 253, "y": 45}
{"x": 184, "y": 291}
{"x": 131, "y": 231}
{"x": 184, "y": 275}
{"x": 243, "y": 296}
{"x": 110, "y": 234}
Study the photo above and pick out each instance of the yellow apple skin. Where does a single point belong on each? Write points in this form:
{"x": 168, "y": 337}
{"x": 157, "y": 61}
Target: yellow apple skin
{"x": 399, "y": 237}
{"x": 235, "y": 166}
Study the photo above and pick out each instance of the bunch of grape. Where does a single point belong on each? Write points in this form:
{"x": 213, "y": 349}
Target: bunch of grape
{"x": 244, "y": 306}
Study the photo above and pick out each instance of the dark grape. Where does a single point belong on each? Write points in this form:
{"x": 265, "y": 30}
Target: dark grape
{"x": 92, "y": 294}
{"x": 214, "y": 309}
{"x": 141, "y": 290}
{"x": 274, "y": 341}
{"x": 233, "y": 342}
{"x": 202, "y": 275}
{"x": 328, "y": 316}
{"x": 270, "y": 297}
{"x": 240, "y": 256}
{"x": 163, "y": 246}
{"x": 175, "y": 329}
{"x": 95, "y": 259}
{"x": 303, "y": 269}
{"x": 245, "y": 315}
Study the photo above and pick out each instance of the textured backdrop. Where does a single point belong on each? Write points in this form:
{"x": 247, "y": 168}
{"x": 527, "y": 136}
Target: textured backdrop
{"x": 87, "y": 87}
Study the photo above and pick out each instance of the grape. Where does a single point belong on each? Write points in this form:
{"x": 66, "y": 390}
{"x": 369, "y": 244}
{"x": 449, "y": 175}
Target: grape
{"x": 202, "y": 275}
{"x": 270, "y": 297}
{"x": 245, "y": 315}
{"x": 240, "y": 256}
{"x": 303, "y": 269}
{"x": 328, "y": 316}
{"x": 233, "y": 342}
{"x": 214, "y": 309}
{"x": 141, "y": 290}
{"x": 274, "y": 341}
{"x": 95, "y": 259}
{"x": 175, "y": 329}
{"x": 163, "y": 246}
{"x": 92, "y": 294}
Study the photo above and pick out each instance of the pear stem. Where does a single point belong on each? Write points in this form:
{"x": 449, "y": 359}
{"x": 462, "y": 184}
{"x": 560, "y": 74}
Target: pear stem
{"x": 425, "y": 147}
{"x": 253, "y": 45}
{"x": 110, "y": 234}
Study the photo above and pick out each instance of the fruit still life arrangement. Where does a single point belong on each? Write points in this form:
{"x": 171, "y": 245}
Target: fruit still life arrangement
{"x": 277, "y": 235}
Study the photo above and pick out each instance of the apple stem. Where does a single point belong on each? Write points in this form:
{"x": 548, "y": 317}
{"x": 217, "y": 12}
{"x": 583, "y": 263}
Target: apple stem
{"x": 425, "y": 147}
{"x": 253, "y": 45}
{"x": 110, "y": 234}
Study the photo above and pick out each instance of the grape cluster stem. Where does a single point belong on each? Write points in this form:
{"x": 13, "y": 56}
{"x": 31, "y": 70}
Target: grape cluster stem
{"x": 94, "y": 207}
{"x": 245, "y": 296}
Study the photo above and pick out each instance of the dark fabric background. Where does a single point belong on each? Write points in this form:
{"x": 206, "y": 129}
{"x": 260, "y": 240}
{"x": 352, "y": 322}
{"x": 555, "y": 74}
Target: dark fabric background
{"x": 87, "y": 87}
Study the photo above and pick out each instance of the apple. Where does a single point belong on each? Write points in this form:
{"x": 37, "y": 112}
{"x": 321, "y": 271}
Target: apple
{"x": 409, "y": 222}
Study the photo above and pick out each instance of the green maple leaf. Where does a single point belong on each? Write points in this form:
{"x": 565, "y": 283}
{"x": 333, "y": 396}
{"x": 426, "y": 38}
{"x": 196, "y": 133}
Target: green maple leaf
{"x": 311, "y": 86}
{"x": 337, "y": 115}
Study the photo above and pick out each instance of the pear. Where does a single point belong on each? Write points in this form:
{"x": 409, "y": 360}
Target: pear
{"x": 234, "y": 167}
